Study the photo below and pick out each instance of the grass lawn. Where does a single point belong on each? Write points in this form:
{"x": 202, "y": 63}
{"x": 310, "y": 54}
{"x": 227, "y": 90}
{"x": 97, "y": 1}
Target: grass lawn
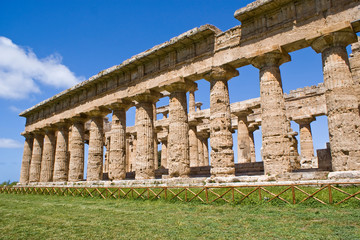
{"x": 54, "y": 217}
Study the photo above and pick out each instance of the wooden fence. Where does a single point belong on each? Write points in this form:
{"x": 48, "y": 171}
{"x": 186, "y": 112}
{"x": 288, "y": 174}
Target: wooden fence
{"x": 333, "y": 194}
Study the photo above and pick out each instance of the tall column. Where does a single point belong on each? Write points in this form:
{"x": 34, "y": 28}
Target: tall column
{"x": 192, "y": 101}
{"x": 48, "y": 156}
{"x": 26, "y": 160}
{"x": 36, "y": 157}
{"x": 96, "y": 145}
{"x": 341, "y": 100}
{"x": 61, "y": 165}
{"x": 200, "y": 151}
{"x": 117, "y": 158}
{"x": 252, "y": 143}
{"x": 306, "y": 142}
{"x": 276, "y": 142}
{"x": 164, "y": 154}
{"x": 76, "y": 163}
{"x": 206, "y": 151}
{"x": 178, "y": 158}
{"x": 156, "y": 158}
{"x": 244, "y": 140}
{"x": 221, "y": 142}
{"x": 193, "y": 146}
{"x": 145, "y": 168}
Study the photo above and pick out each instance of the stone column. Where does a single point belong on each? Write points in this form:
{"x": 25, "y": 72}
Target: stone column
{"x": 200, "y": 151}
{"x": 276, "y": 142}
{"x": 164, "y": 154}
{"x": 192, "y": 101}
{"x": 206, "y": 151}
{"x": 341, "y": 100}
{"x": 306, "y": 142}
{"x": 26, "y": 160}
{"x": 96, "y": 145}
{"x": 76, "y": 164}
{"x": 178, "y": 157}
{"x": 36, "y": 157}
{"x": 252, "y": 142}
{"x": 48, "y": 156}
{"x": 61, "y": 165}
{"x": 145, "y": 168}
{"x": 193, "y": 146}
{"x": 244, "y": 140}
{"x": 117, "y": 158}
{"x": 221, "y": 142}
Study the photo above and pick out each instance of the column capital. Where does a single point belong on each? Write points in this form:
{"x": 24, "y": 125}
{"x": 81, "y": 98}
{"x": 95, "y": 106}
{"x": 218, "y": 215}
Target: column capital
{"x": 27, "y": 135}
{"x": 149, "y": 96}
{"x": 305, "y": 120}
{"x": 78, "y": 119}
{"x": 98, "y": 112}
{"x": 270, "y": 59}
{"x": 224, "y": 73}
{"x": 181, "y": 86}
{"x": 334, "y": 39}
{"x": 62, "y": 125}
{"x": 49, "y": 129}
{"x": 120, "y": 104}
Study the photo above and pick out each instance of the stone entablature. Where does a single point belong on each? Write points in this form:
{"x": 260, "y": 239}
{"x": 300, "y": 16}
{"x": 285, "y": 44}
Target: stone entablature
{"x": 57, "y": 128}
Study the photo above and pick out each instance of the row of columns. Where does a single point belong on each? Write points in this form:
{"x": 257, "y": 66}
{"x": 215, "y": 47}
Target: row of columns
{"x": 183, "y": 146}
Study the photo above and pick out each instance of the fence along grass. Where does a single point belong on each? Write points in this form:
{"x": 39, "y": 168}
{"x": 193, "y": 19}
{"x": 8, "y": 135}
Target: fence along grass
{"x": 329, "y": 194}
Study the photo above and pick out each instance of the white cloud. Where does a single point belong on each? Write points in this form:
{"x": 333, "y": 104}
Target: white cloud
{"x": 9, "y": 143}
{"x": 21, "y": 71}
{"x": 15, "y": 109}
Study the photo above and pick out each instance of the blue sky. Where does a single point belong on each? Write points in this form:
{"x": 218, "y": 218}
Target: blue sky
{"x": 47, "y": 46}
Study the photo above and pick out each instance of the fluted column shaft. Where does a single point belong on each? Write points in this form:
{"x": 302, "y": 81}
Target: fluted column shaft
{"x": 341, "y": 100}
{"x": 76, "y": 164}
{"x": 200, "y": 151}
{"x": 192, "y": 102}
{"x": 36, "y": 157}
{"x": 96, "y": 148}
{"x": 193, "y": 146}
{"x": 164, "y": 154}
{"x": 244, "y": 141}
{"x": 275, "y": 125}
{"x": 61, "y": 165}
{"x": 306, "y": 142}
{"x": 26, "y": 160}
{"x": 145, "y": 150}
{"x": 178, "y": 139}
{"x": 117, "y": 158}
{"x": 221, "y": 142}
{"x": 252, "y": 146}
{"x": 206, "y": 151}
{"x": 48, "y": 156}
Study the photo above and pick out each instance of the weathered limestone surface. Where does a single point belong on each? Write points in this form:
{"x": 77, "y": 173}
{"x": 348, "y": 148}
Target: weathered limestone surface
{"x": 178, "y": 158}
{"x": 306, "y": 142}
{"x": 244, "y": 141}
{"x": 48, "y": 156}
{"x": 117, "y": 158}
{"x": 25, "y": 164}
{"x": 221, "y": 142}
{"x": 35, "y": 165}
{"x": 275, "y": 125}
{"x": 61, "y": 165}
{"x": 164, "y": 154}
{"x": 341, "y": 100}
{"x": 200, "y": 151}
{"x": 145, "y": 168}
{"x": 76, "y": 164}
{"x": 96, "y": 150}
{"x": 193, "y": 146}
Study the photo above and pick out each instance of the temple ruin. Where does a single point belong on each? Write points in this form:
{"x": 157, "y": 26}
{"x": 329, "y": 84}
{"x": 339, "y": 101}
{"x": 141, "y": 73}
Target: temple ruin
{"x": 198, "y": 143}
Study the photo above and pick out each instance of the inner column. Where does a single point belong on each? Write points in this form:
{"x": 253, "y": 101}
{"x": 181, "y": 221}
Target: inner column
{"x": 221, "y": 142}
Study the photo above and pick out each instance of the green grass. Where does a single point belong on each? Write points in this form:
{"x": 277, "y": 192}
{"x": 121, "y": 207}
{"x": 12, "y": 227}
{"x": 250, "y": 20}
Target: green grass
{"x": 59, "y": 217}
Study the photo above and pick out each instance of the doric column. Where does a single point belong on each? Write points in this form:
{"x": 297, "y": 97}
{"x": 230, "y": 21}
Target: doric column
{"x": 76, "y": 164}
{"x": 221, "y": 142}
{"x": 206, "y": 150}
{"x": 36, "y": 157}
{"x": 26, "y": 160}
{"x": 96, "y": 145}
{"x": 192, "y": 101}
{"x": 276, "y": 142}
{"x": 164, "y": 153}
{"x": 117, "y": 157}
{"x": 178, "y": 158}
{"x": 48, "y": 156}
{"x": 200, "y": 151}
{"x": 244, "y": 139}
{"x": 252, "y": 128}
{"x": 193, "y": 146}
{"x": 341, "y": 100}
{"x": 61, "y": 165}
{"x": 306, "y": 142}
{"x": 145, "y": 151}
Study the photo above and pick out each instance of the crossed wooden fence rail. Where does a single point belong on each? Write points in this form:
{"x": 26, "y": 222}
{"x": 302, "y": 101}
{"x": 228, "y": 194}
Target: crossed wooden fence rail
{"x": 333, "y": 194}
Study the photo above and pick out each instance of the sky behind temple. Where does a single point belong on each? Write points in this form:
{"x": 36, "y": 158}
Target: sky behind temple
{"x": 48, "y": 46}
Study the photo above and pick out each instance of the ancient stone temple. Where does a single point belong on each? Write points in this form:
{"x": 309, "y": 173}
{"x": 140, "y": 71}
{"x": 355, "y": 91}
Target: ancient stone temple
{"x": 198, "y": 143}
